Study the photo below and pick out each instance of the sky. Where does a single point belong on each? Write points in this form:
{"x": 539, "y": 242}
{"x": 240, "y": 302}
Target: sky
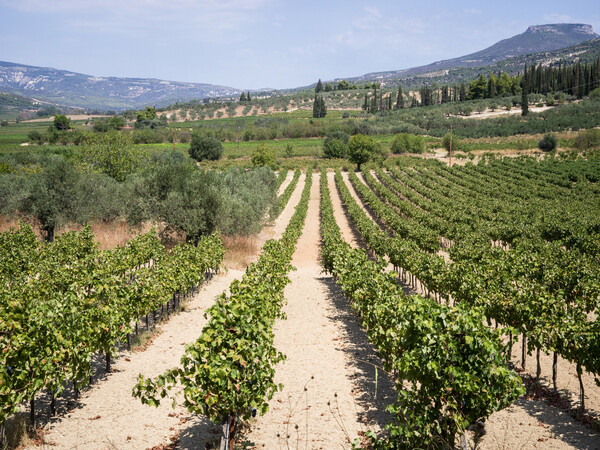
{"x": 253, "y": 44}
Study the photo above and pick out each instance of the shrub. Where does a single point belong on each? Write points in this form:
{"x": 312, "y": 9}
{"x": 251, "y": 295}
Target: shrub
{"x": 547, "y": 143}
{"x": 407, "y": 143}
{"x": 35, "y": 136}
{"x": 588, "y": 139}
{"x": 334, "y": 148}
{"x": 205, "y": 148}
{"x": 262, "y": 156}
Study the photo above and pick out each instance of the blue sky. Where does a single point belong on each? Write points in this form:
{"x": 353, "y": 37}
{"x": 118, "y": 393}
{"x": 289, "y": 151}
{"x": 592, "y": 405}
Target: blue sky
{"x": 251, "y": 44}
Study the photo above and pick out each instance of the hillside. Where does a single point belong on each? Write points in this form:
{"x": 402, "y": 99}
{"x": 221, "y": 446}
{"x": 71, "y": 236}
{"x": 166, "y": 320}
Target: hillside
{"x": 586, "y": 53}
{"x": 536, "y": 39}
{"x": 79, "y": 90}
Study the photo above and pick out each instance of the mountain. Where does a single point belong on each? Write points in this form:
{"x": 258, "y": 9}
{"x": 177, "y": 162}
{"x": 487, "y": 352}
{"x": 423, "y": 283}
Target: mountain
{"x": 536, "y": 39}
{"x": 85, "y": 91}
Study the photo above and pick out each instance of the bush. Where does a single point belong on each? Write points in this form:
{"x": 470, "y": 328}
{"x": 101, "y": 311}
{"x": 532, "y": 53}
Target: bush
{"x": 336, "y": 145}
{"x": 547, "y": 143}
{"x": 588, "y": 139}
{"x": 147, "y": 136}
{"x": 205, "y": 148}
{"x": 334, "y": 148}
{"x": 262, "y": 156}
{"x": 35, "y": 136}
{"x": 407, "y": 143}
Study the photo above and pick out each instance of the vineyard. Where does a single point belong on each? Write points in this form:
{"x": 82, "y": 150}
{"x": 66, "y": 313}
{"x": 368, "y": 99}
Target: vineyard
{"x": 394, "y": 308}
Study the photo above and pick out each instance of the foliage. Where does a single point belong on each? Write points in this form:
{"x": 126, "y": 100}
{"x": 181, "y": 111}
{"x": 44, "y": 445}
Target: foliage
{"x": 205, "y": 148}
{"x": 588, "y": 139}
{"x": 407, "y": 143}
{"x": 334, "y": 148}
{"x": 361, "y": 149}
{"x": 263, "y": 156}
{"x": 68, "y": 301}
{"x": 51, "y": 195}
{"x": 228, "y": 373}
{"x": 454, "y": 365}
{"x": 61, "y": 122}
{"x": 451, "y": 142}
{"x": 111, "y": 153}
{"x": 547, "y": 143}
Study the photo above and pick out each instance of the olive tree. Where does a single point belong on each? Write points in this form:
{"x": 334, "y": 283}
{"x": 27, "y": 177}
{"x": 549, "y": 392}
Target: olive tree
{"x": 361, "y": 149}
{"x": 205, "y": 148}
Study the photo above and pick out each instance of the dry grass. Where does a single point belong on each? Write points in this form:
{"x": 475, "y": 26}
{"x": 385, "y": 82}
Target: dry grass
{"x": 241, "y": 250}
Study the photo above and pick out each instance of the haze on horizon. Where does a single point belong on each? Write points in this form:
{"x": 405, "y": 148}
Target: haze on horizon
{"x": 252, "y": 44}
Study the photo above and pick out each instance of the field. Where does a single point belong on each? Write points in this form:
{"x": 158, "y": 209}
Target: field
{"x": 335, "y": 386}
{"x": 467, "y": 294}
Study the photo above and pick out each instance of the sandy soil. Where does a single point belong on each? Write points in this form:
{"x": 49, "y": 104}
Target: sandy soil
{"x": 70, "y": 116}
{"x": 503, "y": 112}
{"x": 329, "y": 375}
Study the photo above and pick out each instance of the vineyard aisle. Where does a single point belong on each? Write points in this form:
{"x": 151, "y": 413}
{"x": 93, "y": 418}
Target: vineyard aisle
{"x": 328, "y": 377}
{"x": 107, "y": 415}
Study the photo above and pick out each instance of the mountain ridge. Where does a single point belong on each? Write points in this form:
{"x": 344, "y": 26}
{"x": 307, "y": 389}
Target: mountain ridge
{"x": 73, "y": 89}
{"x": 534, "y": 40}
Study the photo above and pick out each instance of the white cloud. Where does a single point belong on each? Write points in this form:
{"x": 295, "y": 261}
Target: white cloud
{"x": 129, "y": 16}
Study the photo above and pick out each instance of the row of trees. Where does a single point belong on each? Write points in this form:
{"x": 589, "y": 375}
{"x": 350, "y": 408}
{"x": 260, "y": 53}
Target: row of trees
{"x": 110, "y": 181}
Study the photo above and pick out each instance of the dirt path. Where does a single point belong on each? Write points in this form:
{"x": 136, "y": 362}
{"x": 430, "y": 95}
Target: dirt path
{"x": 288, "y": 179}
{"x": 329, "y": 393}
{"x": 348, "y": 233}
{"x": 107, "y": 416}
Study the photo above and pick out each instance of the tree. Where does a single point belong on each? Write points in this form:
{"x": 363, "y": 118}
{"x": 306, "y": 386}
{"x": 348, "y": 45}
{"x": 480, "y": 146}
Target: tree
{"x": 449, "y": 141}
{"x": 111, "y": 153}
{"x": 243, "y": 97}
{"x": 547, "y": 143}
{"x": 205, "y": 148}
{"x": 478, "y": 88}
{"x": 194, "y": 208}
{"x": 400, "y": 99}
{"x": 263, "y": 156}
{"x": 51, "y": 197}
{"x": 361, "y": 149}
{"x": 343, "y": 85}
{"x": 336, "y": 145}
{"x": 248, "y": 98}
{"x": 319, "y": 86}
{"x": 319, "y": 108}
{"x": 407, "y": 143}
{"x": 61, "y": 122}
{"x": 524, "y": 92}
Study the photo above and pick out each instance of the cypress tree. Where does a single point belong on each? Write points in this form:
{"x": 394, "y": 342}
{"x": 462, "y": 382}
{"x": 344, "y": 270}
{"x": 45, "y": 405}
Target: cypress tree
{"x": 400, "y": 99}
{"x": 248, "y": 96}
{"x": 319, "y": 87}
{"x": 524, "y": 99}
{"x": 243, "y": 97}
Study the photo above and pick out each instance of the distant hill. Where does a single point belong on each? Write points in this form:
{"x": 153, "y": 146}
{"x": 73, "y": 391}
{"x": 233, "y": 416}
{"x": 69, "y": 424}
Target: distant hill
{"x": 586, "y": 53}
{"x": 536, "y": 39}
{"x": 79, "y": 90}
